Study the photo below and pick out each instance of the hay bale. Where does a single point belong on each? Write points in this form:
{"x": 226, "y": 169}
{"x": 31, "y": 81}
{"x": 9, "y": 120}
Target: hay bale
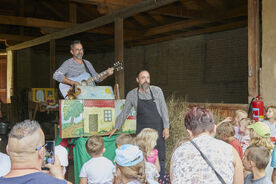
{"x": 177, "y": 108}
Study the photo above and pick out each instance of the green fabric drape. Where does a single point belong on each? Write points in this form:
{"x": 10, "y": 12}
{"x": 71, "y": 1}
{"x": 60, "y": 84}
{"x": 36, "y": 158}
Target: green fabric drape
{"x": 81, "y": 156}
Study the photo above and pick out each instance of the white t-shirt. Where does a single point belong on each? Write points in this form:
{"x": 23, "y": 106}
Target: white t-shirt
{"x": 98, "y": 170}
{"x": 272, "y": 128}
{"x": 5, "y": 164}
{"x": 62, "y": 155}
{"x": 151, "y": 173}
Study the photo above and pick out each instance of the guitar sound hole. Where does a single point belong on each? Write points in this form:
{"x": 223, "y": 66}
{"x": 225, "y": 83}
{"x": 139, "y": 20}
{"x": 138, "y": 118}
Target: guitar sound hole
{"x": 84, "y": 83}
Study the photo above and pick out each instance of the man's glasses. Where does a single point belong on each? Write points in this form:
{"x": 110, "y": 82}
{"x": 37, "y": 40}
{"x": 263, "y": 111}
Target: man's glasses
{"x": 39, "y": 148}
{"x": 78, "y": 50}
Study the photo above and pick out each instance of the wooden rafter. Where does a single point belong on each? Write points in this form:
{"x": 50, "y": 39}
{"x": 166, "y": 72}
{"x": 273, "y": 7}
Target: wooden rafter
{"x": 119, "y": 3}
{"x": 103, "y": 20}
{"x": 33, "y": 22}
{"x": 54, "y": 26}
{"x": 142, "y": 20}
{"x": 194, "y": 32}
{"x": 73, "y": 12}
{"x": 54, "y": 9}
{"x": 174, "y": 26}
{"x": 180, "y": 12}
{"x": 190, "y": 23}
{"x": 13, "y": 37}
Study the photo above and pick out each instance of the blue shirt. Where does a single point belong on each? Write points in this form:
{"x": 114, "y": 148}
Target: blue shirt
{"x": 33, "y": 178}
{"x": 273, "y": 160}
{"x": 263, "y": 180}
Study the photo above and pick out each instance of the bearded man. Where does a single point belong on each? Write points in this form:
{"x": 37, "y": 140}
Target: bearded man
{"x": 152, "y": 112}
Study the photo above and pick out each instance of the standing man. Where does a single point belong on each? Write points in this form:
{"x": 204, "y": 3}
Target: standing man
{"x": 152, "y": 112}
{"x": 26, "y": 148}
{"x": 75, "y": 66}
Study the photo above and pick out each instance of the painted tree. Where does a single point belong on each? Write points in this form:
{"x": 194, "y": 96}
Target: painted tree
{"x": 72, "y": 109}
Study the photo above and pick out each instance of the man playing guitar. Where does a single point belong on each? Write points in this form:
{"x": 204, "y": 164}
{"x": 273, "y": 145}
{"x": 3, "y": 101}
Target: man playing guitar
{"x": 75, "y": 66}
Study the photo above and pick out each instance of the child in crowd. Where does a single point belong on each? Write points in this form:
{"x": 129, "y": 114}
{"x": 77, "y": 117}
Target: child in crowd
{"x": 130, "y": 166}
{"x": 62, "y": 154}
{"x": 255, "y": 160}
{"x": 98, "y": 169}
{"x": 151, "y": 171}
{"x": 273, "y": 165}
{"x": 260, "y": 136}
{"x": 226, "y": 132}
{"x": 239, "y": 115}
{"x": 149, "y": 136}
{"x": 244, "y": 133}
{"x": 120, "y": 140}
{"x": 123, "y": 139}
{"x": 271, "y": 122}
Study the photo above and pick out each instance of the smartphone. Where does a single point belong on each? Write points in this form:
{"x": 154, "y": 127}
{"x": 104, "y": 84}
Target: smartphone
{"x": 49, "y": 157}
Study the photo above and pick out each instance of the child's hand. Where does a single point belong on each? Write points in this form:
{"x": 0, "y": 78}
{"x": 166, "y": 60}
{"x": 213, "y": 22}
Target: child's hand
{"x": 228, "y": 119}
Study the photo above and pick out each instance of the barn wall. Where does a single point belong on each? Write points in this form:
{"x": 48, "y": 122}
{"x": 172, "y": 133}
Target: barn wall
{"x": 205, "y": 68}
{"x": 268, "y": 72}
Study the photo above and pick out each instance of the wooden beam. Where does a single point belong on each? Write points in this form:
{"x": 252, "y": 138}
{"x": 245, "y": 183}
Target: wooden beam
{"x": 50, "y": 26}
{"x": 13, "y": 37}
{"x": 103, "y": 20}
{"x": 73, "y": 12}
{"x": 190, "y": 23}
{"x": 142, "y": 20}
{"x": 253, "y": 48}
{"x": 181, "y": 12}
{"x": 21, "y": 13}
{"x": 33, "y": 22}
{"x": 217, "y": 4}
{"x": 54, "y": 10}
{"x": 52, "y": 62}
{"x": 110, "y": 2}
{"x": 193, "y": 33}
{"x": 119, "y": 54}
{"x": 9, "y": 76}
{"x": 158, "y": 18}
{"x": 174, "y": 26}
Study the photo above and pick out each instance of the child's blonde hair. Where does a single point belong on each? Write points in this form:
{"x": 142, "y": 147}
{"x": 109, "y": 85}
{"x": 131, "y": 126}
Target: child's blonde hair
{"x": 94, "y": 145}
{"x": 240, "y": 114}
{"x": 148, "y": 137}
{"x": 134, "y": 172}
{"x": 257, "y": 140}
{"x": 226, "y": 130}
{"x": 123, "y": 139}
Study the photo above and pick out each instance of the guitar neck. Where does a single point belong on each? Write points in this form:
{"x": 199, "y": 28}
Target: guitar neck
{"x": 96, "y": 77}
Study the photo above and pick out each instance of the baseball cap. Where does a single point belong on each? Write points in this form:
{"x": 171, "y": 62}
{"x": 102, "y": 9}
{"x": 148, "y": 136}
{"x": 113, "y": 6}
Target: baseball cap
{"x": 261, "y": 129}
{"x": 128, "y": 155}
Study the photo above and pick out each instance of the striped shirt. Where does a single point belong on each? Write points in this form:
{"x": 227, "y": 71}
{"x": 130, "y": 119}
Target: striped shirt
{"x": 131, "y": 101}
{"x": 71, "y": 68}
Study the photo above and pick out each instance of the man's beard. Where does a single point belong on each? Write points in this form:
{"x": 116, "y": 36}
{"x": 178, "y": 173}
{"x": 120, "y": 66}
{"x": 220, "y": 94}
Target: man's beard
{"x": 145, "y": 86}
{"x": 79, "y": 56}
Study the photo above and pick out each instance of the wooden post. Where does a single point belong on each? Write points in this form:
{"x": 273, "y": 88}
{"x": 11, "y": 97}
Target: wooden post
{"x": 9, "y": 75}
{"x": 253, "y": 48}
{"x": 119, "y": 54}
{"x": 52, "y": 62}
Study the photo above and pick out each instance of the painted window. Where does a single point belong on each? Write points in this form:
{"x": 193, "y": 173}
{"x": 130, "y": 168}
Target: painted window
{"x": 107, "y": 115}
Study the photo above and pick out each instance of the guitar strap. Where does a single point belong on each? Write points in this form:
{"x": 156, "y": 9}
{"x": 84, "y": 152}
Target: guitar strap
{"x": 86, "y": 68}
